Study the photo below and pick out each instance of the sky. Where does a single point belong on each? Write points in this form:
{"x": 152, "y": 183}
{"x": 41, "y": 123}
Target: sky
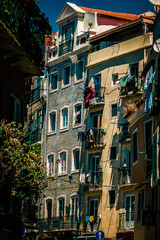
{"x": 53, "y": 8}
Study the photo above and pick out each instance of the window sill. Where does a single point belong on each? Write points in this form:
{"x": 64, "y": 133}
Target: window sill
{"x": 53, "y": 90}
{"x": 75, "y": 171}
{"x": 78, "y": 81}
{"x": 65, "y": 86}
{"x": 51, "y": 133}
{"x": 77, "y": 126}
{"x": 64, "y": 130}
{"x": 62, "y": 174}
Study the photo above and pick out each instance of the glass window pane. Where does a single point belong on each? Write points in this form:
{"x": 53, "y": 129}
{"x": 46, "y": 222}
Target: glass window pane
{"x": 53, "y": 121}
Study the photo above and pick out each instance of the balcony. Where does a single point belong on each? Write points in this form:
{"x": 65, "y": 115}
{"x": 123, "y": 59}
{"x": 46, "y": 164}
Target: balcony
{"x": 23, "y": 27}
{"x": 58, "y": 223}
{"x": 126, "y": 221}
{"x": 94, "y": 138}
{"x": 94, "y": 98}
{"x": 35, "y": 136}
{"x": 91, "y": 225}
{"x": 129, "y": 86}
{"x": 94, "y": 180}
{"x": 65, "y": 46}
{"x": 35, "y": 94}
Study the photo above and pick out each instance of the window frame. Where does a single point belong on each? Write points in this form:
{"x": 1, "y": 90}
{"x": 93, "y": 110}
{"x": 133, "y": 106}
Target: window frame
{"x": 76, "y": 69}
{"x": 53, "y": 73}
{"x": 94, "y": 198}
{"x": 74, "y": 113}
{"x": 139, "y": 208}
{"x": 63, "y": 75}
{"x": 61, "y": 119}
{"x": 59, "y": 163}
{"x": 74, "y": 196}
{"x": 62, "y": 196}
{"x": 51, "y": 154}
{"x": 45, "y": 206}
{"x": 49, "y": 122}
{"x": 73, "y": 165}
{"x": 135, "y": 131}
{"x": 114, "y": 103}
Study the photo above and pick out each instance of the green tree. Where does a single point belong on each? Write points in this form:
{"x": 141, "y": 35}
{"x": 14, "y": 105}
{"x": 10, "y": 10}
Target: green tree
{"x": 21, "y": 170}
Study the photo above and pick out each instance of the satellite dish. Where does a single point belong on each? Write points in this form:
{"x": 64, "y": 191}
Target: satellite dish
{"x": 155, "y": 2}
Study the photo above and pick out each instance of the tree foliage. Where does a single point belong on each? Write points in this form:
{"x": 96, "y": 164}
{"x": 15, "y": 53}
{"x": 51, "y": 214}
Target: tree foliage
{"x": 21, "y": 170}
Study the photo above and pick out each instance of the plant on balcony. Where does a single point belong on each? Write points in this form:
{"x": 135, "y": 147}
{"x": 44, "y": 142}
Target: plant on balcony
{"x": 21, "y": 171}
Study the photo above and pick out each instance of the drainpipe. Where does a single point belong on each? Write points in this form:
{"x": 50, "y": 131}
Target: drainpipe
{"x": 46, "y": 124}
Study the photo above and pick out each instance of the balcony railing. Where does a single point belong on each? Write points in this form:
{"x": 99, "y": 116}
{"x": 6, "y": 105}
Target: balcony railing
{"x": 58, "y": 223}
{"x": 94, "y": 138}
{"x": 92, "y": 224}
{"x": 35, "y": 136}
{"x": 95, "y": 178}
{"x": 24, "y": 19}
{"x": 126, "y": 221}
{"x": 99, "y": 97}
{"x": 129, "y": 86}
{"x": 66, "y": 46}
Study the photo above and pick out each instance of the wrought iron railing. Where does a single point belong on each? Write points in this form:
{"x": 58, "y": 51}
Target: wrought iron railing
{"x": 94, "y": 137}
{"x": 126, "y": 221}
{"x": 58, "y": 223}
{"x": 96, "y": 178}
{"x": 92, "y": 224}
{"x": 66, "y": 46}
{"x": 99, "y": 97}
{"x": 23, "y": 18}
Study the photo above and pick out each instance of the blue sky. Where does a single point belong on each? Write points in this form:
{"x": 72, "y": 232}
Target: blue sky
{"x": 52, "y": 8}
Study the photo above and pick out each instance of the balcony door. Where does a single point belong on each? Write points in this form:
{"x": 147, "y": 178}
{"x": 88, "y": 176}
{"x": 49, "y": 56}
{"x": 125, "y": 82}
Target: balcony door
{"x": 97, "y": 83}
{"x": 129, "y": 216}
{"x": 94, "y": 160}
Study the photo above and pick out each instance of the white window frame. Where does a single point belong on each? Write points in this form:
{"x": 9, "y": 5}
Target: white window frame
{"x": 47, "y": 165}
{"x": 55, "y": 72}
{"x": 76, "y": 67}
{"x": 61, "y": 119}
{"x": 59, "y": 162}
{"x": 74, "y": 195}
{"x": 73, "y": 167}
{"x": 49, "y": 122}
{"x": 135, "y": 130}
{"x": 68, "y": 84}
{"x": 74, "y": 114}
{"x": 58, "y": 198}
{"x": 45, "y": 206}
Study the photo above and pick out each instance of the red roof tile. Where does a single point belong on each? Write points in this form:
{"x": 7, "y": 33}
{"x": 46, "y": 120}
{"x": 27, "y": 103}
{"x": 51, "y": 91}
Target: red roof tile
{"x": 125, "y": 16}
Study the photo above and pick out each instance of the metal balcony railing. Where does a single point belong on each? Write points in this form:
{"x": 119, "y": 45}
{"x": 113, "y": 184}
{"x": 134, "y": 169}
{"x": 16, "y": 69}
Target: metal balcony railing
{"x": 92, "y": 225}
{"x": 95, "y": 178}
{"x": 24, "y": 19}
{"x": 58, "y": 223}
{"x": 126, "y": 221}
{"x": 66, "y": 46}
{"x": 99, "y": 97}
{"x": 94, "y": 137}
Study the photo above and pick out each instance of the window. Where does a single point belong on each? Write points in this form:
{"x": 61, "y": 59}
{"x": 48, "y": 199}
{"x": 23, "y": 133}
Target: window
{"x": 15, "y": 109}
{"x": 113, "y": 153}
{"x": 66, "y": 75}
{"x": 54, "y": 80}
{"x": 129, "y": 206}
{"x": 93, "y": 206}
{"x": 148, "y": 138}
{"x": 79, "y": 70}
{"x": 62, "y": 162}
{"x": 49, "y": 208}
{"x": 74, "y": 206}
{"x": 52, "y": 125}
{"x": 114, "y": 79}
{"x": 68, "y": 33}
{"x": 50, "y": 165}
{"x": 135, "y": 146}
{"x": 112, "y": 197}
{"x": 134, "y": 70}
{"x": 64, "y": 119}
{"x": 114, "y": 110}
{"x": 61, "y": 202}
{"x": 77, "y": 114}
{"x": 97, "y": 83}
{"x": 94, "y": 164}
{"x": 76, "y": 159}
{"x": 140, "y": 205}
